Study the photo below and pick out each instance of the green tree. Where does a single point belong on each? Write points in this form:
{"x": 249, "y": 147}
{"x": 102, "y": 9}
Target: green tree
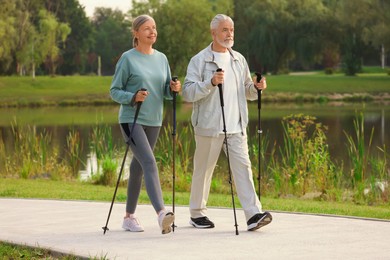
{"x": 331, "y": 34}
{"x": 7, "y": 34}
{"x": 377, "y": 29}
{"x": 26, "y": 34}
{"x": 31, "y": 36}
{"x": 348, "y": 14}
{"x": 366, "y": 26}
{"x": 112, "y": 37}
{"x": 79, "y": 42}
{"x": 140, "y": 7}
{"x": 53, "y": 33}
{"x": 314, "y": 31}
{"x": 273, "y": 33}
{"x": 182, "y": 35}
{"x": 269, "y": 26}
{"x": 276, "y": 35}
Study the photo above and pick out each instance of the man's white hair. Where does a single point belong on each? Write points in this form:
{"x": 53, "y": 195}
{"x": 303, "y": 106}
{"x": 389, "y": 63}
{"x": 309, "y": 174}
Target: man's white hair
{"x": 219, "y": 18}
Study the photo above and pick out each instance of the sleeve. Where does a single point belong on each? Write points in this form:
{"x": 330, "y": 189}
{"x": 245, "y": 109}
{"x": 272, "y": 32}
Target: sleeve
{"x": 250, "y": 89}
{"x": 167, "y": 87}
{"x": 121, "y": 76}
{"x": 195, "y": 86}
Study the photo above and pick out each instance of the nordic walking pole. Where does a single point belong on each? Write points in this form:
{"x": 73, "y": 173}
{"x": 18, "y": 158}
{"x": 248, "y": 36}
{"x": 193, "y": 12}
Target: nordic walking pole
{"x": 105, "y": 228}
{"x": 227, "y": 152}
{"x": 174, "y": 78}
{"x": 259, "y": 130}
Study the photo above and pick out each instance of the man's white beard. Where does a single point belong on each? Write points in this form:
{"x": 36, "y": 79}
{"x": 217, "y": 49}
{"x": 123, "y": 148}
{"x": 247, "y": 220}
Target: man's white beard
{"x": 226, "y": 44}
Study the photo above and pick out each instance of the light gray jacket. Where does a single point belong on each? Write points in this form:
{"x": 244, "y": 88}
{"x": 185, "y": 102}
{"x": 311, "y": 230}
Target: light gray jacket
{"x": 207, "y": 112}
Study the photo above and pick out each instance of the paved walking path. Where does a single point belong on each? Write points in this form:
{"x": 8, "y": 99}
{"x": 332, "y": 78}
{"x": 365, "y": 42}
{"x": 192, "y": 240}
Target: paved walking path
{"x": 76, "y": 227}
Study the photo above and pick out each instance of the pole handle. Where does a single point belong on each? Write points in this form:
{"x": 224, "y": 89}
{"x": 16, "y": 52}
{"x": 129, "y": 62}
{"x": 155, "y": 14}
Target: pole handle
{"x": 220, "y": 90}
{"x": 258, "y": 78}
{"x": 174, "y": 94}
{"x": 174, "y": 78}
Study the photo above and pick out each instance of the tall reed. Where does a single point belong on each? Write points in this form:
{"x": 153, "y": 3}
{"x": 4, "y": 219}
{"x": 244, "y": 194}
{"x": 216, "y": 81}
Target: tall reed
{"x": 109, "y": 168}
{"x": 369, "y": 174}
{"x": 74, "y": 151}
{"x": 102, "y": 145}
{"x": 381, "y": 171}
{"x": 3, "y": 156}
{"x": 254, "y": 150}
{"x": 33, "y": 155}
{"x": 358, "y": 150}
{"x": 101, "y": 142}
{"x": 305, "y": 164}
{"x": 183, "y": 155}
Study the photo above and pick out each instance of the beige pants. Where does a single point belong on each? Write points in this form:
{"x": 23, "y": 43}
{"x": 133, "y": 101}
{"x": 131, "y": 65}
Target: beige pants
{"x": 206, "y": 155}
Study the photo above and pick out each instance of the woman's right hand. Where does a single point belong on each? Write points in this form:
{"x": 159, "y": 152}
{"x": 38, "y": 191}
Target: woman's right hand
{"x": 141, "y": 95}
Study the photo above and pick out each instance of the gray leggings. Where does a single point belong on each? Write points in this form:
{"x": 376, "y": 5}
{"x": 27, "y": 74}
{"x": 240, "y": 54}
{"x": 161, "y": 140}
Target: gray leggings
{"x": 143, "y": 164}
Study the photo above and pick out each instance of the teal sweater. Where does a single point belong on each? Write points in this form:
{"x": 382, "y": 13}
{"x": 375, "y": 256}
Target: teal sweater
{"x": 134, "y": 71}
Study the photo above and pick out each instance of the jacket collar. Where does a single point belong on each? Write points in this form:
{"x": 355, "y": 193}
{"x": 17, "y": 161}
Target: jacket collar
{"x": 210, "y": 55}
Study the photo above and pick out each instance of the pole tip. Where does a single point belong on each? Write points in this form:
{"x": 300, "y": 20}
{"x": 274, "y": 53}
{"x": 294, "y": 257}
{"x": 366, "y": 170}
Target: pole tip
{"x": 105, "y": 229}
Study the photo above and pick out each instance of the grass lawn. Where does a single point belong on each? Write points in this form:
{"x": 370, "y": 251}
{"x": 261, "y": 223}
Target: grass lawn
{"x": 323, "y": 84}
{"x": 79, "y": 90}
{"x": 75, "y": 190}
{"x": 60, "y": 90}
{"x": 10, "y": 251}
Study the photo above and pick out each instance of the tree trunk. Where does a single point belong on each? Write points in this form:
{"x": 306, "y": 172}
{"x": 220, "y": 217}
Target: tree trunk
{"x": 99, "y": 72}
{"x": 383, "y": 56}
{"x": 33, "y": 70}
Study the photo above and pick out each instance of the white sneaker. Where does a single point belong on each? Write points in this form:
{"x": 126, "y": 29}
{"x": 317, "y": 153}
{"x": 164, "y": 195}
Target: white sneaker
{"x": 132, "y": 224}
{"x": 165, "y": 220}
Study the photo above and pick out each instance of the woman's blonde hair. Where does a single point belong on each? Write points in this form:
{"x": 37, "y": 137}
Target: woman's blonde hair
{"x": 137, "y": 22}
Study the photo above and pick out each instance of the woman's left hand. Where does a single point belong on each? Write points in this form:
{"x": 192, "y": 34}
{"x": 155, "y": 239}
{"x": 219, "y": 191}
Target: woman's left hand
{"x": 175, "y": 85}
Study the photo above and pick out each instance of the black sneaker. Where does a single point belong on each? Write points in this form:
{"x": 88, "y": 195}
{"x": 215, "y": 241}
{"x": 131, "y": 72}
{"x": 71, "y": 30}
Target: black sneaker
{"x": 202, "y": 222}
{"x": 259, "y": 220}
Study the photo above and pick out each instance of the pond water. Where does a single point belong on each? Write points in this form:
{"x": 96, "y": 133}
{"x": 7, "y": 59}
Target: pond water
{"x": 339, "y": 117}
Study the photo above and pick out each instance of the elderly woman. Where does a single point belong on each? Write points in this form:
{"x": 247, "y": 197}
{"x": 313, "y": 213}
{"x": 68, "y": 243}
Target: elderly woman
{"x": 139, "y": 68}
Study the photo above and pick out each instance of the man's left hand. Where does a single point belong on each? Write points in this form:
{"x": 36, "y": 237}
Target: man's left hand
{"x": 260, "y": 85}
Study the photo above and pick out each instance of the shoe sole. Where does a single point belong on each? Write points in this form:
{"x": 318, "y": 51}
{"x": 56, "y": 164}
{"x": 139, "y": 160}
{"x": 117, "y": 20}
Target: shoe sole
{"x": 169, "y": 218}
{"x": 265, "y": 220}
{"x": 199, "y": 226}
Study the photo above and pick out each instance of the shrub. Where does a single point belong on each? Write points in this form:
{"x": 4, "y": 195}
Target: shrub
{"x": 329, "y": 71}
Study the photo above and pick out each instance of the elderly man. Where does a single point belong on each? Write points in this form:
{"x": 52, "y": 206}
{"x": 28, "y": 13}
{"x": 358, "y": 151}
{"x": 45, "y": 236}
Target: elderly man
{"x": 200, "y": 88}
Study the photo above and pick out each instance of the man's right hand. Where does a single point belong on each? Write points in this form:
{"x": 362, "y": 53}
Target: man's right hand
{"x": 217, "y": 78}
